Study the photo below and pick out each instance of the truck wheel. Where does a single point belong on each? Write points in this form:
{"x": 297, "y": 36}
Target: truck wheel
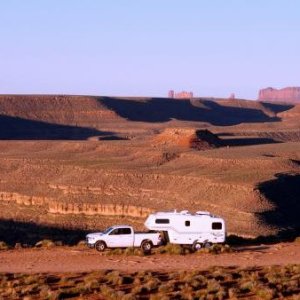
{"x": 207, "y": 245}
{"x": 146, "y": 246}
{"x": 100, "y": 246}
{"x": 196, "y": 246}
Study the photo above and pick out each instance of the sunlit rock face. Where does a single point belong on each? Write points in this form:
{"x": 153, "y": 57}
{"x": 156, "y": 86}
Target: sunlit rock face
{"x": 288, "y": 94}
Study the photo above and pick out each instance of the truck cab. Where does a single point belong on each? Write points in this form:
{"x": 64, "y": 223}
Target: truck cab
{"x": 122, "y": 236}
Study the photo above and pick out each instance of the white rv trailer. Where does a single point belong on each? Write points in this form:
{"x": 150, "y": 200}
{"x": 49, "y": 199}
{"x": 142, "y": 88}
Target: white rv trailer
{"x": 197, "y": 230}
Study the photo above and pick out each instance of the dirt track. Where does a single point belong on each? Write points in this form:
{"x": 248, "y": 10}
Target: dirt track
{"x": 63, "y": 259}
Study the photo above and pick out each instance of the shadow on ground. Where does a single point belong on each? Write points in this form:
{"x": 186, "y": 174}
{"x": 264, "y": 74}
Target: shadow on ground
{"x": 15, "y": 128}
{"x": 285, "y": 235}
{"x": 12, "y": 232}
{"x": 231, "y": 139}
{"x": 248, "y": 141}
{"x": 284, "y": 193}
{"x": 163, "y": 110}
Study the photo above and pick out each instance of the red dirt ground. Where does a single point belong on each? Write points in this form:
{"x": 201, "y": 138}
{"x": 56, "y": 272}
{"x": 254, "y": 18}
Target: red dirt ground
{"x": 81, "y": 259}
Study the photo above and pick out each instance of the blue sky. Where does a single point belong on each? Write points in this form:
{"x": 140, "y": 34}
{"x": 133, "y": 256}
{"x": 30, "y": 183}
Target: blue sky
{"x": 145, "y": 48}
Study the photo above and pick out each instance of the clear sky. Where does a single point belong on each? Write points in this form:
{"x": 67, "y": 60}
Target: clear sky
{"x": 145, "y": 48}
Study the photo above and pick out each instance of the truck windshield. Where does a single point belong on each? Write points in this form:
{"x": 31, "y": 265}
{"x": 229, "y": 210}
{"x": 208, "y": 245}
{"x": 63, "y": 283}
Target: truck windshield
{"x": 107, "y": 230}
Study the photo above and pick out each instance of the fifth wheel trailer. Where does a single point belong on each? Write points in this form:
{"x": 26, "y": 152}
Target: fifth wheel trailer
{"x": 197, "y": 230}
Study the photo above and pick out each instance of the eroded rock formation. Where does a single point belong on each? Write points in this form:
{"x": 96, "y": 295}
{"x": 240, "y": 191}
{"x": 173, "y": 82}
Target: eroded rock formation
{"x": 197, "y": 139}
{"x": 90, "y": 209}
{"x": 288, "y": 94}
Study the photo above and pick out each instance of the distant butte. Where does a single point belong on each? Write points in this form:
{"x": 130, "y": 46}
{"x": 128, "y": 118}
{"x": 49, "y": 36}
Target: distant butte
{"x": 288, "y": 94}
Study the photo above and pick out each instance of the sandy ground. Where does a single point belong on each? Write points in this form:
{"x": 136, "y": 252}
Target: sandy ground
{"x": 63, "y": 259}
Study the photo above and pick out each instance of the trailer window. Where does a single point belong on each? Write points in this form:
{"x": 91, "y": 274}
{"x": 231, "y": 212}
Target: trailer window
{"x": 187, "y": 223}
{"x": 216, "y": 225}
{"x": 162, "y": 221}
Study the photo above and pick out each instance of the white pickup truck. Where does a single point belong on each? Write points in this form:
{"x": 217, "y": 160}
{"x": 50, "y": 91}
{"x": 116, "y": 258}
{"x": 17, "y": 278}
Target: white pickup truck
{"x": 123, "y": 236}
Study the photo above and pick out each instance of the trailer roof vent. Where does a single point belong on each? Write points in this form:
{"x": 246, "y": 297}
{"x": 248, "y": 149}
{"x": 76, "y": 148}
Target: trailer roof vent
{"x": 206, "y": 213}
{"x": 184, "y": 212}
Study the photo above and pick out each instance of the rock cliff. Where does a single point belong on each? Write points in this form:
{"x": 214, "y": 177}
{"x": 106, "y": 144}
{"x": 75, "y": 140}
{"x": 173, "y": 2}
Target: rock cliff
{"x": 288, "y": 94}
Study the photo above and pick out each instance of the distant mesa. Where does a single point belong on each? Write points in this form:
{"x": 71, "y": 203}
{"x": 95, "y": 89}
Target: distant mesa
{"x": 288, "y": 94}
{"x": 180, "y": 95}
{"x": 231, "y": 96}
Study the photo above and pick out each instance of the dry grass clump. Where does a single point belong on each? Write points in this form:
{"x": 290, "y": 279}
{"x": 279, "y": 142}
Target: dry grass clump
{"x": 216, "y": 249}
{"x": 183, "y": 250}
{"x": 171, "y": 249}
{"x": 45, "y": 244}
{"x": 275, "y": 282}
{"x": 134, "y": 251}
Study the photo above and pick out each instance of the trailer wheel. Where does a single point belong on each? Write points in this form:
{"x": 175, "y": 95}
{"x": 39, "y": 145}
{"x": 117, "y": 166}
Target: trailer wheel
{"x": 146, "y": 247}
{"x": 196, "y": 246}
{"x": 100, "y": 246}
{"x": 207, "y": 245}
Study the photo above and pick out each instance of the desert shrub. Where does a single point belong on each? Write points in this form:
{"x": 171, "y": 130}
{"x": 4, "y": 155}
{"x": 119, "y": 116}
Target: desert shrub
{"x": 114, "y": 277}
{"x": 186, "y": 289}
{"x": 155, "y": 297}
{"x": 171, "y": 249}
{"x": 59, "y": 243}
{"x": 214, "y": 283}
{"x": 81, "y": 243}
{"x": 93, "y": 280}
{"x": 44, "y": 291}
{"x": 18, "y": 246}
{"x": 216, "y": 249}
{"x": 247, "y": 286}
{"x": 137, "y": 289}
{"x": 152, "y": 284}
{"x": 232, "y": 293}
{"x": 30, "y": 279}
{"x": 29, "y": 289}
{"x": 127, "y": 251}
{"x": 134, "y": 251}
{"x": 297, "y": 239}
{"x": 107, "y": 291}
{"x": 265, "y": 293}
{"x": 45, "y": 244}
{"x": 3, "y": 246}
{"x": 166, "y": 287}
{"x": 222, "y": 294}
{"x": 116, "y": 251}
{"x": 160, "y": 296}
{"x": 213, "y": 286}
{"x": 129, "y": 296}
{"x": 274, "y": 278}
{"x": 70, "y": 293}
{"x": 193, "y": 278}
{"x": 226, "y": 249}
